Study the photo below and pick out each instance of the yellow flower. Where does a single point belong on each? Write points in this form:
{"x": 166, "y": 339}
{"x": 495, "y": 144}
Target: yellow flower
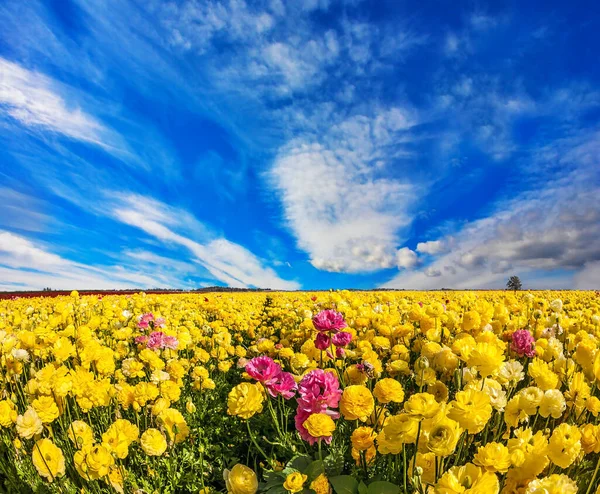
{"x": 388, "y": 390}
{"x": 443, "y": 436}
{"x": 119, "y": 436}
{"x": 471, "y": 409}
{"x": 528, "y": 453}
{"x": 321, "y": 485}
{"x": 564, "y": 445}
{"x": 530, "y": 399}
{"x": 541, "y": 372}
{"x": 494, "y": 457}
{"x": 93, "y": 463}
{"x": 468, "y": 479}
{"x": 421, "y": 406}
{"x": 153, "y": 442}
{"x": 590, "y": 438}
{"x": 174, "y": 423}
{"x": 363, "y": 438}
{"x": 29, "y": 424}
{"x": 294, "y": 482}
{"x": 398, "y": 430}
{"x": 81, "y": 434}
{"x": 552, "y": 404}
{"x": 487, "y": 358}
{"x": 319, "y": 425}
{"x": 8, "y": 413}
{"x": 240, "y": 480}
{"x": 554, "y": 484}
{"x": 357, "y": 403}
{"x": 245, "y": 400}
{"x": 46, "y": 408}
{"x": 48, "y": 459}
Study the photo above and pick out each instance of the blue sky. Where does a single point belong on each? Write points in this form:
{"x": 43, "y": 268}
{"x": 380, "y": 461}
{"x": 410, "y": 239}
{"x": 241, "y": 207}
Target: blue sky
{"x": 307, "y": 144}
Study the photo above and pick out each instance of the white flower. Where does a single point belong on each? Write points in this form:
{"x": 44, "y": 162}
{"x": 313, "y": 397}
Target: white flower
{"x": 20, "y": 354}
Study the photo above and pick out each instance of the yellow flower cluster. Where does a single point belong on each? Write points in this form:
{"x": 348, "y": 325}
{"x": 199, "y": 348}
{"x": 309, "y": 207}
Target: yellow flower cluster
{"x": 435, "y": 392}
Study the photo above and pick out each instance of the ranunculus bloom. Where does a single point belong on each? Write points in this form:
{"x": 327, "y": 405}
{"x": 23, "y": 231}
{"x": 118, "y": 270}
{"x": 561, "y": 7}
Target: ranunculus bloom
{"x": 329, "y": 320}
{"x": 318, "y": 392}
{"x": 145, "y": 319}
{"x": 284, "y": 385}
{"x": 342, "y": 338}
{"x": 156, "y": 340}
{"x": 263, "y": 369}
{"x": 322, "y": 341}
{"x": 523, "y": 343}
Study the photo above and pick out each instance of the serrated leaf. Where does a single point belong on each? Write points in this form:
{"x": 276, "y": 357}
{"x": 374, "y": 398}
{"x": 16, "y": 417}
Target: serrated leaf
{"x": 334, "y": 465}
{"x": 344, "y": 484}
{"x": 383, "y": 487}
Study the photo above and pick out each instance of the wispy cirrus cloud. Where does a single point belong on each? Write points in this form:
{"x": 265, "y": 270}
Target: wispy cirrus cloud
{"x": 226, "y": 261}
{"x": 31, "y": 265}
{"x": 35, "y": 101}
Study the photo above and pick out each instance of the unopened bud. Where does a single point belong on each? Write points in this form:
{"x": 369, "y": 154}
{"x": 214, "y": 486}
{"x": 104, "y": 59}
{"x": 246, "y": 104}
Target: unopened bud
{"x": 422, "y": 363}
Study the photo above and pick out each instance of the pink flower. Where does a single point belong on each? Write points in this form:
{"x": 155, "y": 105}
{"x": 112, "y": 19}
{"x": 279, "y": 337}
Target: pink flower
{"x": 322, "y": 341}
{"x": 523, "y": 343}
{"x": 329, "y": 320}
{"x": 160, "y": 322}
{"x": 263, "y": 369}
{"x": 156, "y": 340}
{"x": 342, "y": 338}
{"x": 141, "y": 340}
{"x": 145, "y": 319}
{"x": 319, "y": 392}
{"x": 283, "y": 385}
{"x": 170, "y": 342}
{"x": 340, "y": 352}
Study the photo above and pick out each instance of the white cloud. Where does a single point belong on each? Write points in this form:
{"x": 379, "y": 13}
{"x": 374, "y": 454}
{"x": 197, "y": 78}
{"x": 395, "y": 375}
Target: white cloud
{"x": 337, "y": 201}
{"x": 25, "y": 265}
{"x": 589, "y": 277}
{"x": 545, "y": 235}
{"x": 33, "y": 99}
{"x": 406, "y": 258}
{"x": 433, "y": 247}
{"x": 226, "y": 261}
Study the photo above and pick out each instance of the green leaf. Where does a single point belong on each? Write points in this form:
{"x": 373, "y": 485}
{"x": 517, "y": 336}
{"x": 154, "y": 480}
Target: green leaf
{"x": 362, "y": 488}
{"x": 278, "y": 490}
{"x": 315, "y": 469}
{"x": 300, "y": 463}
{"x": 344, "y": 484}
{"x": 382, "y": 487}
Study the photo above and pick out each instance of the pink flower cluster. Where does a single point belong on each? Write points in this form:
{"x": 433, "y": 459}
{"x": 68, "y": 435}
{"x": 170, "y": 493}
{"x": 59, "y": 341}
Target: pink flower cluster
{"x": 147, "y": 320}
{"x": 270, "y": 373}
{"x": 326, "y": 322}
{"x": 523, "y": 343}
{"x": 158, "y": 340}
{"x": 319, "y": 392}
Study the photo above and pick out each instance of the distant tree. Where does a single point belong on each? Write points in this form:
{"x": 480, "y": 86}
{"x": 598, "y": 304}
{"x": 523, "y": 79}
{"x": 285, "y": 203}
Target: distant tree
{"x": 514, "y": 283}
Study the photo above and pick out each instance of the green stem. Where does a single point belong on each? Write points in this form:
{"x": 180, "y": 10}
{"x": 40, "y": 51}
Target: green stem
{"x": 252, "y": 438}
{"x": 416, "y": 449}
{"x": 589, "y": 489}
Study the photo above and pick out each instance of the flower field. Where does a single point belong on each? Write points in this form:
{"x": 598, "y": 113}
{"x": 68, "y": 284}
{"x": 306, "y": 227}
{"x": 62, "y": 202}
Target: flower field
{"x": 325, "y": 392}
